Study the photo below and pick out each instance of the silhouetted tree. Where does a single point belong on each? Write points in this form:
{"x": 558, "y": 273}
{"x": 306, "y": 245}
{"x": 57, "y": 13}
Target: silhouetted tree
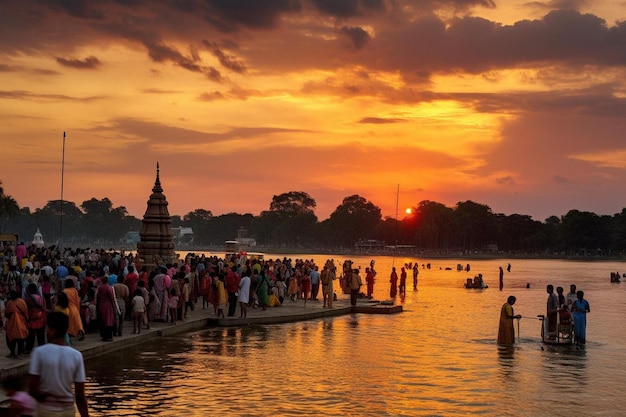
{"x": 290, "y": 219}
{"x": 354, "y": 219}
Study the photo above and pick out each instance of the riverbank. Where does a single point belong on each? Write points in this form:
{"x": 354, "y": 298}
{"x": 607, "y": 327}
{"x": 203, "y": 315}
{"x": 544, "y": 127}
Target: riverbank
{"x": 271, "y": 252}
{"x": 199, "y": 319}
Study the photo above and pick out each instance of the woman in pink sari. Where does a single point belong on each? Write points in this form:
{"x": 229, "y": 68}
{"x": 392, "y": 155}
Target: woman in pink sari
{"x": 107, "y": 309}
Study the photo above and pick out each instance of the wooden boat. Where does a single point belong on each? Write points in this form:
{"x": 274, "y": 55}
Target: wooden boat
{"x": 563, "y": 336}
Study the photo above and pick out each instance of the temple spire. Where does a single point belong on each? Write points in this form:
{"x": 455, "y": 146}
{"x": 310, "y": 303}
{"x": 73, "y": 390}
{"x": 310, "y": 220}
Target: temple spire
{"x": 157, "y": 183}
{"x": 155, "y": 246}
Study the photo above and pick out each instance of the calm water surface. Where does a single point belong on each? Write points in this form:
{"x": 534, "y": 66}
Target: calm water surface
{"x": 438, "y": 358}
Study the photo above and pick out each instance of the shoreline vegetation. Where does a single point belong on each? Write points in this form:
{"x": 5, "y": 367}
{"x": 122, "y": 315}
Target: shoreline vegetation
{"x": 468, "y": 230}
{"x": 407, "y": 253}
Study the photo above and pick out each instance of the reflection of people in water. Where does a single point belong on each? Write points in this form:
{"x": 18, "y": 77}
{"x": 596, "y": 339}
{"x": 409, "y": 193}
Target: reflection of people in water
{"x": 580, "y": 310}
{"x": 506, "y": 332}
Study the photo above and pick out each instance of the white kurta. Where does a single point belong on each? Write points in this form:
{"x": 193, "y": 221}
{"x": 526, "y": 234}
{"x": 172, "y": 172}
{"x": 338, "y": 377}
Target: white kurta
{"x": 244, "y": 290}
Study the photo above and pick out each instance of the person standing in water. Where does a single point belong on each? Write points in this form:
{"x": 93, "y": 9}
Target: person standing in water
{"x": 393, "y": 280}
{"x": 506, "y": 331}
{"x": 579, "y": 311}
{"x": 501, "y": 278}
{"x": 552, "y": 310}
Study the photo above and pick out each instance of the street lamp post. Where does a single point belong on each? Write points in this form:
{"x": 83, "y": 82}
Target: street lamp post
{"x": 62, "y": 178}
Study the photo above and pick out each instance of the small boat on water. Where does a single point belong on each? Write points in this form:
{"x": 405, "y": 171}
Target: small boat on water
{"x": 563, "y": 336}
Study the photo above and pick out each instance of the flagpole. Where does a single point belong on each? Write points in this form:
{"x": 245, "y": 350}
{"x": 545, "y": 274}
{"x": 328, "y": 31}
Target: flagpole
{"x": 395, "y": 244}
{"x": 62, "y": 180}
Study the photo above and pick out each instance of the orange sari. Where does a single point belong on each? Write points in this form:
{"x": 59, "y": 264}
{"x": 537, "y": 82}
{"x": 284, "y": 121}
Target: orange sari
{"x": 17, "y": 313}
{"x": 76, "y": 324}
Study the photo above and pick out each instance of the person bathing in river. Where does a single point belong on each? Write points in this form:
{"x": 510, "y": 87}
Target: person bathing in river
{"x": 393, "y": 280}
{"x": 580, "y": 310}
{"x": 369, "y": 280}
{"x": 552, "y": 309}
{"x": 506, "y": 331}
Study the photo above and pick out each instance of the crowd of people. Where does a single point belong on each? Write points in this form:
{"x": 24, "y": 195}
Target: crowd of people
{"x": 100, "y": 290}
{"x": 52, "y": 297}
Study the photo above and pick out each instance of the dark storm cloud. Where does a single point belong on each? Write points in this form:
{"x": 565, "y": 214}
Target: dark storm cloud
{"x": 84, "y": 9}
{"x": 91, "y": 62}
{"x": 348, "y": 8}
{"x": 231, "y": 15}
{"x": 357, "y": 35}
{"x": 455, "y": 5}
{"x": 474, "y": 44}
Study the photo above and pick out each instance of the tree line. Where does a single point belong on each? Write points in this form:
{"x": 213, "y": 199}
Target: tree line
{"x": 290, "y": 222}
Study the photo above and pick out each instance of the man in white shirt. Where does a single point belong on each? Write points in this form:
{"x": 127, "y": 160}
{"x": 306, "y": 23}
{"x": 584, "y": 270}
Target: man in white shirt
{"x": 54, "y": 367}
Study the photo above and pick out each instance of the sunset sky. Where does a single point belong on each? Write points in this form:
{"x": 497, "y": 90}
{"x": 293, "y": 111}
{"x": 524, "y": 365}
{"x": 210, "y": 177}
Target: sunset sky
{"x": 520, "y": 105}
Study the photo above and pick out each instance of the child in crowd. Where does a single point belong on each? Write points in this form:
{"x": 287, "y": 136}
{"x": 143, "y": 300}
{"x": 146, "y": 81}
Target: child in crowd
{"x": 173, "y": 306}
{"x": 138, "y": 306}
{"x": 22, "y": 404}
{"x": 186, "y": 294}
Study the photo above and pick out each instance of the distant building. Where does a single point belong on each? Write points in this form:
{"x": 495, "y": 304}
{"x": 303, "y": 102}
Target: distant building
{"x": 244, "y": 239}
{"x": 131, "y": 238}
{"x": 182, "y": 234}
{"x": 38, "y": 240}
{"x": 370, "y": 244}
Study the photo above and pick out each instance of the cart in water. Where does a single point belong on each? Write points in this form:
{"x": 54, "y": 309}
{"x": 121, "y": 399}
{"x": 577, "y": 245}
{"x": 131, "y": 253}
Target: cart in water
{"x": 563, "y": 335}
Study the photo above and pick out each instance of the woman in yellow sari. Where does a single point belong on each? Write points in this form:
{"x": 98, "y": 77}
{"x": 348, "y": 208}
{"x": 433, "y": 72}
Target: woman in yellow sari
{"x": 506, "y": 332}
{"x": 76, "y": 323}
{"x": 222, "y": 298}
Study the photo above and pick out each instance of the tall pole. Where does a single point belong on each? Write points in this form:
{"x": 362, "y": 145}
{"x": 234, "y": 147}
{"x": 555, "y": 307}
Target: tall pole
{"x": 62, "y": 178}
{"x": 395, "y": 245}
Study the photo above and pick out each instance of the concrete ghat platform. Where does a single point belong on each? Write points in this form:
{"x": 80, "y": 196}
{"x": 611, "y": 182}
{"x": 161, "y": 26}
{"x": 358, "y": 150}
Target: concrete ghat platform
{"x": 200, "y": 319}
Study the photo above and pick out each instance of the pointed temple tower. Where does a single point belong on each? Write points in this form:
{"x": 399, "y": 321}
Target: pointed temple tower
{"x": 155, "y": 246}
{"x": 38, "y": 240}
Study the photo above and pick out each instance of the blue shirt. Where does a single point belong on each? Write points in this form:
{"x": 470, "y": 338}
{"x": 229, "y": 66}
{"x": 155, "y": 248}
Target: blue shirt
{"x": 62, "y": 271}
{"x": 315, "y": 277}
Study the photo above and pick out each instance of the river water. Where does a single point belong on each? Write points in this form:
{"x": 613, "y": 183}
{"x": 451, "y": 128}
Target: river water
{"x": 437, "y": 358}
